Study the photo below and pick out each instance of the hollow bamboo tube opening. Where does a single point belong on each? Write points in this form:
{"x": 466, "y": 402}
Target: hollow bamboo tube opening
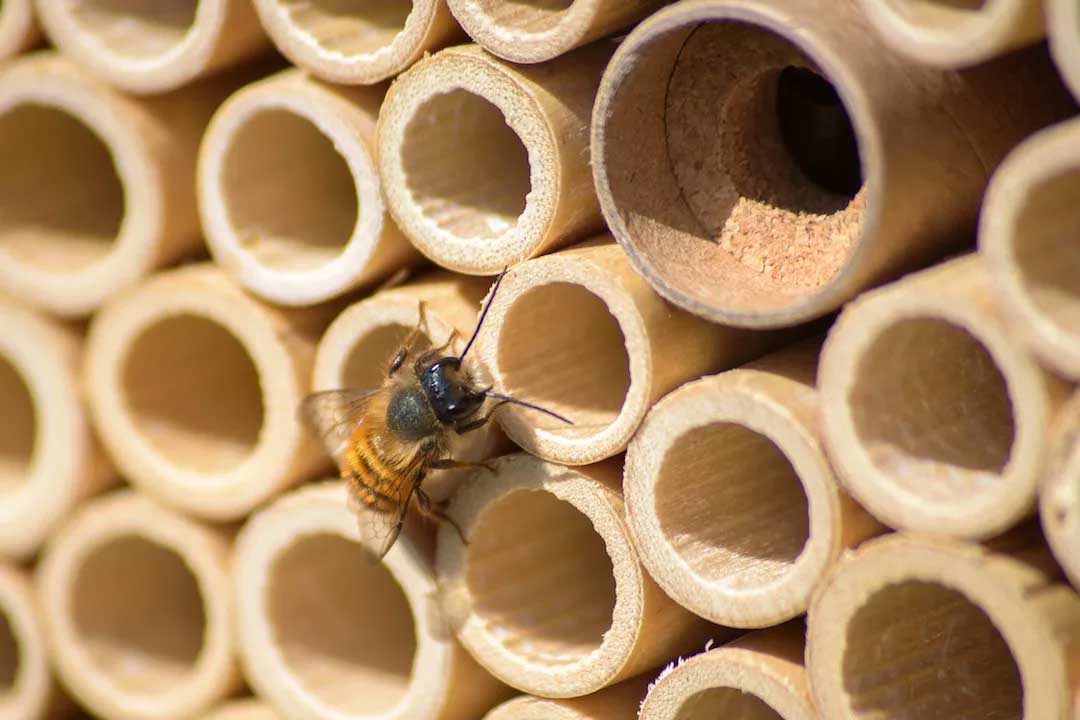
{"x": 1063, "y": 28}
{"x": 357, "y": 43}
{"x": 153, "y": 47}
{"x": 613, "y": 703}
{"x": 27, "y": 689}
{"x": 549, "y": 594}
{"x": 532, "y": 31}
{"x": 249, "y": 709}
{"x": 194, "y": 387}
{"x": 772, "y": 183}
{"x": 1059, "y": 504}
{"x": 326, "y": 633}
{"x": 18, "y": 28}
{"x": 956, "y": 33}
{"x": 136, "y": 605}
{"x": 934, "y": 419}
{"x": 1029, "y": 234}
{"x": 730, "y": 498}
{"x": 914, "y": 628}
{"x": 760, "y": 676}
{"x": 49, "y": 461}
{"x": 484, "y": 163}
{"x": 289, "y": 193}
{"x": 581, "y": 333}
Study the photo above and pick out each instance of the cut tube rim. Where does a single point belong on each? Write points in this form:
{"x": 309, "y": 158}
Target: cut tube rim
{"x": 33, "y": 683}
{"x": 18, "y": 29}
{"x": 1059, "y": 499}
{"x": 1062, "y": 18}
{"x": 520, "y": 45}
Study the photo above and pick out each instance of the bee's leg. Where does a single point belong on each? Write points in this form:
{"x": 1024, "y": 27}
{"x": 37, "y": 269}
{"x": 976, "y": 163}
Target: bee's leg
{"x": 434, "y": 352}
{"x": 429, "y": 509}
{"x": 407, "y": 343}
{"x": 452, "y": 464}
{"x": 479, "y": 422}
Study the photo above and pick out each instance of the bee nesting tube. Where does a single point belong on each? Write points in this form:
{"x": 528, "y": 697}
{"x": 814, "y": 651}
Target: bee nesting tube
{"x": 549, "y": 594}
{"x": 49, "y": 460}
{"x": 1063, "y": 28}
{"x": 1030, "y": 236}
{"x": 153, "y": 47}
{"x": 730, "y": 498}
{"x": 614, "y": 703}
{"x": 538, "y": 30}
{"x": 581, "y": 333}
{"x": 934, "y": 418}
{"x": 194, "y": 386}
{"x": 791, "y": 161}
{"x": 249, "y": 709}
{"x": 484, "y": 163}
{"x": 96, "y": 188}
{"x": 27, "y": 688}
{"x": 289, "y": 193}
{"x": 922, "y": 628}
{"x": 18, "y": 29}
{"x": 1060, "y": 494}
{"x": 327, "y": 634}
{"x": 760, "y": 676}
{"x": 357, "y": 43}
{"x": 136, "y": 605}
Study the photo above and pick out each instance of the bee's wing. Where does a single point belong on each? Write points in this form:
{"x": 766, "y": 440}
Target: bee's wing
{"x": 379, "y": 529}
{"x": 332, "y": 415}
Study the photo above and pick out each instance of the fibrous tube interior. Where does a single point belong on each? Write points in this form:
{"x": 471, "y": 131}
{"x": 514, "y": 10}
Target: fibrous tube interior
{"x": 745, "y": 191}
{"x": 10, "y": 656}
{"x": 725, "y": 702}
{"x": 194, "y": 393}
{"x": 342, "y": 624}
{"x": 18, "y": 427}
{"x": 528, "y": 16}
{"x": 347, "y": 27}
{"x": 919, "y": 650}
{"x": 136, "y": 28}
{"x": 368, "y": 363}
{"x": 61, "y": 199}
{"x": 466, "y": 169}
{"x": 560, "y": 347}
{"x": 932, "y": 410}
{"x": 729, "y": 501}
{"x": 137, "y": 609}
{"x": 289, "y": 194}
{"x": 540, "y": 577}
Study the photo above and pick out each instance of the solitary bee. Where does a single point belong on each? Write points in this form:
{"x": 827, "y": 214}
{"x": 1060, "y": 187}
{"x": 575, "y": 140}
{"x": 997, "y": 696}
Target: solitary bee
{"x": 386, "y": 440}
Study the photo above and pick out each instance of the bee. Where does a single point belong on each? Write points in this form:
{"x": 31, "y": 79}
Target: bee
{"x": 386, "y": 440}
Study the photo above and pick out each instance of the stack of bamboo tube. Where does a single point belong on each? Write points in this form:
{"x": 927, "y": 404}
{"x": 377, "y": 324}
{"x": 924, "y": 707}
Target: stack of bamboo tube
{"x": 804, "y": 274}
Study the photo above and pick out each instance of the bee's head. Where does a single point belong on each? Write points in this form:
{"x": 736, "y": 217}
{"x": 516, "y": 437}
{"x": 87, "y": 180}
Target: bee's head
{"x": 450, "y": 391}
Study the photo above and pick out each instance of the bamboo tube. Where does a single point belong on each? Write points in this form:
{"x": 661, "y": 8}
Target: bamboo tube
{"x": 247, "y": 709}
{"x": 614, "y": 703}
{"x": 729, "y": 496}
{"x": 358, "y": 43}
{"x": 153, "y": 47}
{"x": 956, "y": 33}
{"x": 27, "y": 688}
{"x": 760, "y": 676}
{"x": 289, "y": 193}
{"x": 484, "y": 163}
{"x": 788, "y": 160}
{"x": 96, "y": 188}
{"x": 18, "y": 28}
{"x": 540, "y": 30}
{"x": 356, "y": 350}
{"x": 1062, "y": 22}
{"x": 1028, "y": 235}
{"x": 1060, "y": 497}
{"x": 136, "y": 608}
{"x": 549, "y": 595}
{"x": 582, "y": 334}
{"x": 922, "y": 628}
{"x": 934, "y": 418}
{"x": 324, "y": 633}
{"x": 194, "y": 386}
{"x": 49, "y": 460}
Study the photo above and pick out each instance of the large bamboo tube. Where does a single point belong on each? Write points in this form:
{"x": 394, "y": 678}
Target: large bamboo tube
{"x": 730, "y": 498}
{"x": 27, "y": 689}
{"x": 1062, "y": 23}
{"x": 788, "y": 160}
{"x": 327, "y": 634}
{"x": 581, "y": 333}
{"x": 248, "y": 709}
{"x": 549, "y": 594}
{"x": 290, "y": 197}
{"x": 136, "y": 606}
{"x": 934, "y": 418}
{"x": 194, "y": 386}
{"x": 49, "y": 460}
{"x": 18, "y": 28}
{"x": 96, "y": 188}
{"x": 1029, "y": 233}
{"x": 153, "y": 47}
{"x": 760, "y": 676}
{"x": 486, "y": 164}
{"x": 1059, "y": 504}
{"x": 539, "y": 30}
{"x": 614, "y": 703}
{"x": 921, "y": 628}
{"x": 357, "y": 43}
{"x": 956, "y": 33}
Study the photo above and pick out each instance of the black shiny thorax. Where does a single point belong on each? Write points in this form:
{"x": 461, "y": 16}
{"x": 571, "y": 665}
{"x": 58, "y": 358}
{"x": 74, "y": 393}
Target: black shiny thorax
{"x": 449, "y": 392}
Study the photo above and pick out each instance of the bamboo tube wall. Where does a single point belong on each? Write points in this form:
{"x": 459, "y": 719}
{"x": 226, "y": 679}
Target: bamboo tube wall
{"x": 696, "y": 463}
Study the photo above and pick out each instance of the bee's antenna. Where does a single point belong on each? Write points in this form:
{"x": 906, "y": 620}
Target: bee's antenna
{"x": 515, "y": 401}
{"x": 484, "y": 312}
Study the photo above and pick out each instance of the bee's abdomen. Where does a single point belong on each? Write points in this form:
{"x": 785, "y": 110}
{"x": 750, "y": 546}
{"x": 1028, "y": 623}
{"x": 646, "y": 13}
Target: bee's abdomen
{"x": 377, "y": 482}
